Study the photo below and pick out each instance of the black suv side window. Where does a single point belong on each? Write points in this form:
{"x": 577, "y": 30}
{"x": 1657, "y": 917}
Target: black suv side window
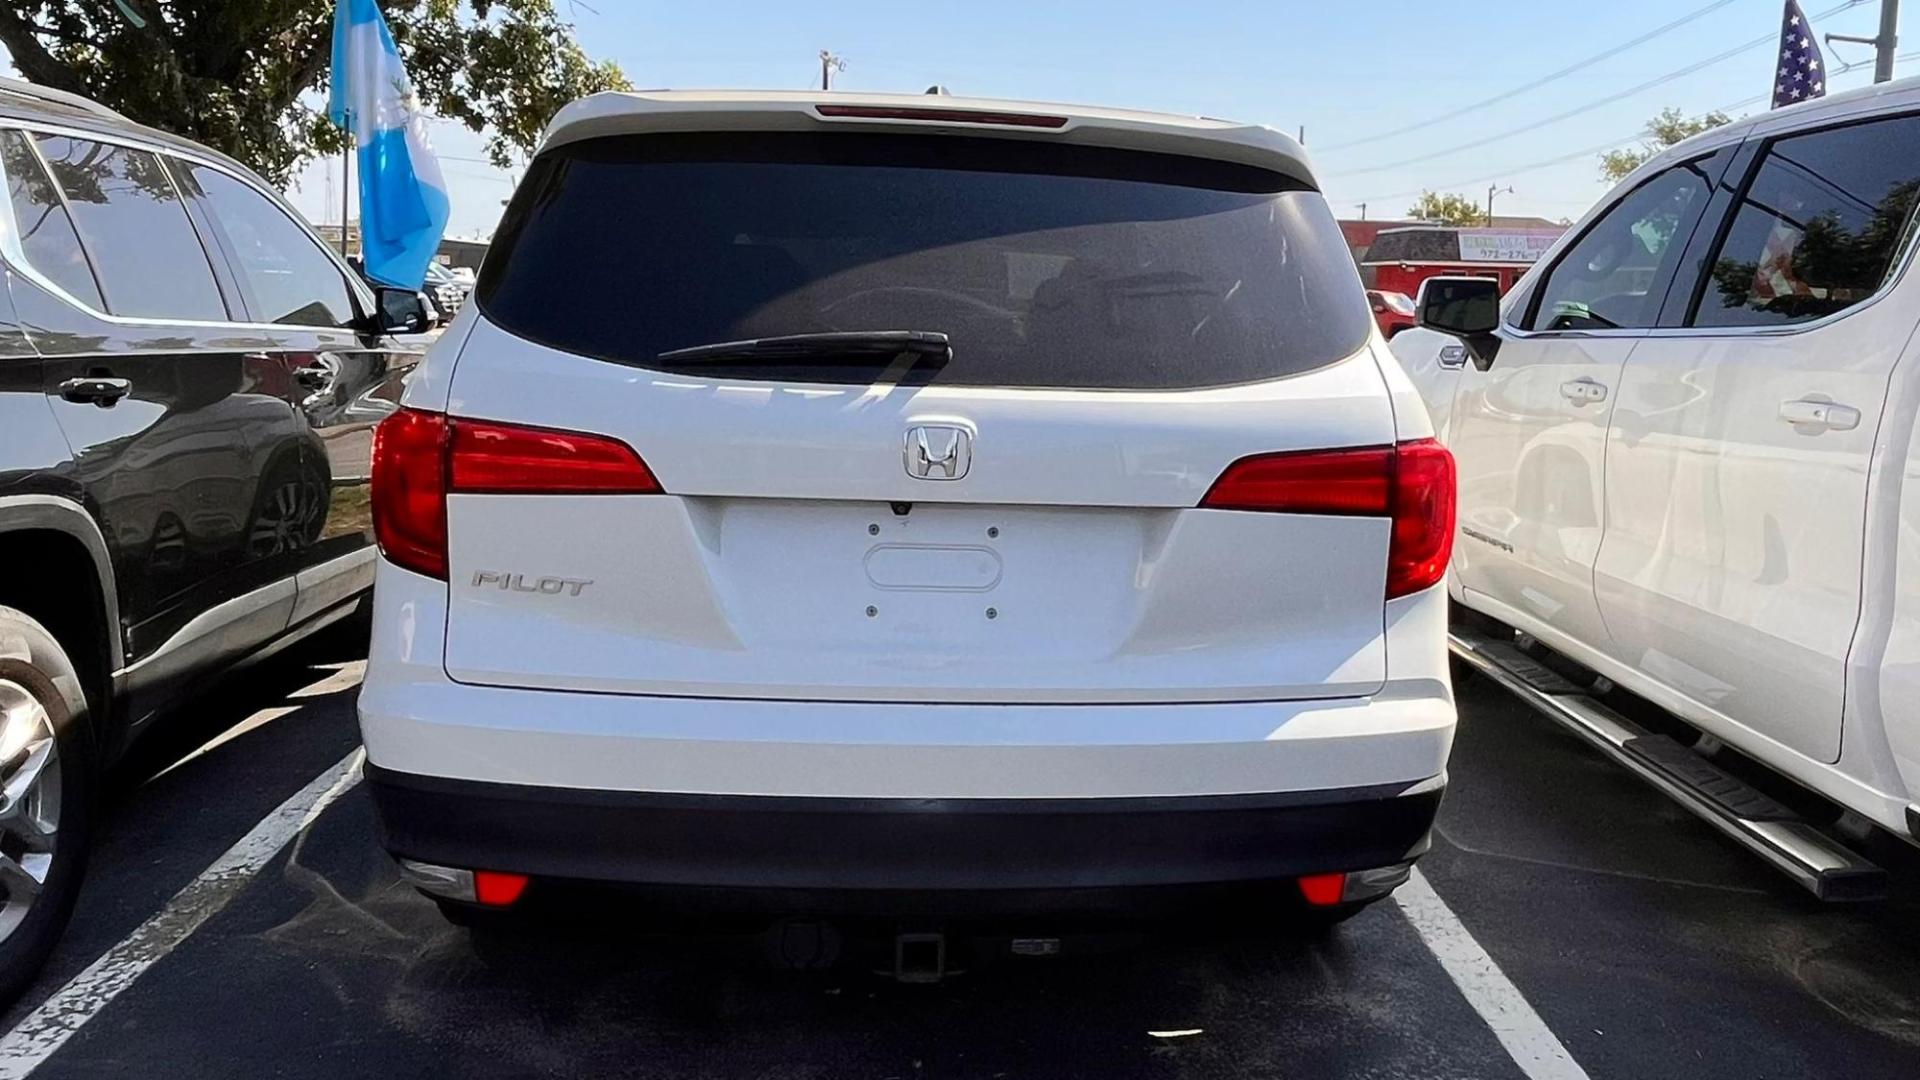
{"x": 135, "y": 226}
{"x": 47, "y": 239}
{"x": 1819, "y": 226}
{"x": 283, "y": 272}
{"x": 1613, "y": 277}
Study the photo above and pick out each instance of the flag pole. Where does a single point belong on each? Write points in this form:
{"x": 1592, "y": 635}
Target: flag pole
{"x": 346, "y": 185}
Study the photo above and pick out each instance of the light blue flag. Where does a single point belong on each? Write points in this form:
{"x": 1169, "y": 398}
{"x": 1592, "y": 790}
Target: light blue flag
{"x": 403, "y": 199}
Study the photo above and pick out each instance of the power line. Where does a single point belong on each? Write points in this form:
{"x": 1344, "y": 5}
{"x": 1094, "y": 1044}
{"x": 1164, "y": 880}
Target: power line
{"x": 1840, "y": 69}
{"x": 1591, "y": 105}
{"x": 1537, "y": 83}
{"x": 1574, "y": 155}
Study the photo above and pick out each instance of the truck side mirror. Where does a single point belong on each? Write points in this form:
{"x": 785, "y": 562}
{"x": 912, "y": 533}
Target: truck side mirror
{"x": 401, "y": 310}
{"x": 1464, "y": 307}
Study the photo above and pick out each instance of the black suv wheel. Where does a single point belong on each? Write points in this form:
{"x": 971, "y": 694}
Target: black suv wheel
{"x": 46, "y": 788}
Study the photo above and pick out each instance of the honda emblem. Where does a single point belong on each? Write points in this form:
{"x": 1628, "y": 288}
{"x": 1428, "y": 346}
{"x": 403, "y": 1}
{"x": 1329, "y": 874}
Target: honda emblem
{"x": 938, "y": 452}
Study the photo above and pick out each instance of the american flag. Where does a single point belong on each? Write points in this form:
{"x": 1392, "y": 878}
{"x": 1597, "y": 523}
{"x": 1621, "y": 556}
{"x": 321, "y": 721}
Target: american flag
{"x": 1803, "y": 71}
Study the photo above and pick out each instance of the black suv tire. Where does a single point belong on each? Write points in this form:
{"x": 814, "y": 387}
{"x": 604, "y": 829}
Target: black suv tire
{"x": 35, "y": 671}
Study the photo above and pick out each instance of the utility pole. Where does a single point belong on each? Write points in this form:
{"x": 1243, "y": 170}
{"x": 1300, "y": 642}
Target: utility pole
{"x": 1363, "y": 211}
{"x": 829, "y": 64}
{"x": 1883, "y": 45}
{"x": 1491, "y": 192}
{"x": 1889, "y": 37}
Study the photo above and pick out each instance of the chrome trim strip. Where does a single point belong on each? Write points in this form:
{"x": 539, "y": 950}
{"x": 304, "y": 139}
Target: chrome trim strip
{"x": 11, "y": 250}
{"x": 180, "y": 651}
{"x": 1814, "y": 861}
{"x": 332, "y": 582}
{"x": 313, "y": 591}
{"x": 67, "y": 516}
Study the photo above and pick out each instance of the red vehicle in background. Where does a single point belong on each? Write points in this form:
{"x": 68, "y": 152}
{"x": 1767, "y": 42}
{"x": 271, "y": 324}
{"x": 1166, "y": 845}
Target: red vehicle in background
{"x": 1400, "y": 258}
{"x": 1394, "y": 311}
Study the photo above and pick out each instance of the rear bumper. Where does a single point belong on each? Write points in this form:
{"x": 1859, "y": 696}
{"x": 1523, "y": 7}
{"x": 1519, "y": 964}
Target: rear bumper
{"x": 416, "y": 720}
{"x": 798, "y": 851}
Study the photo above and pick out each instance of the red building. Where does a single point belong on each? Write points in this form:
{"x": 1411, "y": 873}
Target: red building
{"x": 1398, "y": 256}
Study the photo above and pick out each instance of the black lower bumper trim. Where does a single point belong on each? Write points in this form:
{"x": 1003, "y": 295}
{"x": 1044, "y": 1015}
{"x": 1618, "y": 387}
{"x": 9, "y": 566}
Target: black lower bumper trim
{"x": 784, "y": 843}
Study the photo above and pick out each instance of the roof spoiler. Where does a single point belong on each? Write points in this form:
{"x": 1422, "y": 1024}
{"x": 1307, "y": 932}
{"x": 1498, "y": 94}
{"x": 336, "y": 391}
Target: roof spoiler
{"x": 36, "y": 92}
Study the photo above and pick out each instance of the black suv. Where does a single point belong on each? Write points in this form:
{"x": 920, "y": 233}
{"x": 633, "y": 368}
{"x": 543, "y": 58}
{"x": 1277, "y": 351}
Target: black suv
{"x": 189, "y": 380}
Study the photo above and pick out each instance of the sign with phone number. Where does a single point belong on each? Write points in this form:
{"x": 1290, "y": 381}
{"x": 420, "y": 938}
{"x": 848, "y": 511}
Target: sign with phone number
{"x": 1485, "y": 245}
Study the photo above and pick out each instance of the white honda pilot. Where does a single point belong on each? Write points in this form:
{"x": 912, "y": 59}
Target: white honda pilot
{"x": 924, "y": 504}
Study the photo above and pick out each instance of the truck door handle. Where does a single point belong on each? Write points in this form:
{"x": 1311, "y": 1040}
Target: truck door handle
{"x": 101, "y": 390}
{"x": 1583, "y": 391}
{"x": 1815, "y": 417}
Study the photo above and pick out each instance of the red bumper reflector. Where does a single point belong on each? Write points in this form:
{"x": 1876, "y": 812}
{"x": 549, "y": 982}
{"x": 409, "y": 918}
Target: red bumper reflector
{"x": 1323, "y": 890}
{"x": 495, "y": 888}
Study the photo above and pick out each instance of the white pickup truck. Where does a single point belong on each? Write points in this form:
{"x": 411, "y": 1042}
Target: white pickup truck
{"x": 1688, "y": 462}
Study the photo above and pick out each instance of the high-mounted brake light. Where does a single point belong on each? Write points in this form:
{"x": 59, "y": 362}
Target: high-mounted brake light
{"x": 421, "y": 457}
{"x": 1412, "y": 483}
{"x": 943, "y": 116}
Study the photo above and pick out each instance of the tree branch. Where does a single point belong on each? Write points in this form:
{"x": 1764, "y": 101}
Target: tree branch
{"x": 307, "y": 70}
{"x": 22, "y": 39}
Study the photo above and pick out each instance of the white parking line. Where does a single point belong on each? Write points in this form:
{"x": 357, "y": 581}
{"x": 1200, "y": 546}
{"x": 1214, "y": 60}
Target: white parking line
{"x": 1526, "y": 1037}
{"x": 57, "y": 1019}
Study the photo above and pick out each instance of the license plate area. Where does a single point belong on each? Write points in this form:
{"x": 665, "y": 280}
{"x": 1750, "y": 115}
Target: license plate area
{"x": 944, "y": 580}
{"x": 851, "y": 601}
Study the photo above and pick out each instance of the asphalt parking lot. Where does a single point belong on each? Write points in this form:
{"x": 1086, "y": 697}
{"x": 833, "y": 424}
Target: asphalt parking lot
{"x": 1601, "y": 932}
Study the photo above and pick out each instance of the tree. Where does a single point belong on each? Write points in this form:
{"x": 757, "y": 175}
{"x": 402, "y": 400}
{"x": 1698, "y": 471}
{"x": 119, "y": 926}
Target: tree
{"x": 1447, "y": 209}
{"x": 1833, "y": 262}
{"x": 242, "y": 76}
{"x": 1670, "y": 127}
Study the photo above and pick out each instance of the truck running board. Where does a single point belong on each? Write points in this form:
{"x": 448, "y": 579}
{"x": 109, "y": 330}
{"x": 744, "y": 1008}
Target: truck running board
{"x": 1822, "y": 865}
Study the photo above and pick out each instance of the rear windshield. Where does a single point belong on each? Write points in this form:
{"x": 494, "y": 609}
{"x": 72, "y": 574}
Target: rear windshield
{"x": 1046, "y": 265}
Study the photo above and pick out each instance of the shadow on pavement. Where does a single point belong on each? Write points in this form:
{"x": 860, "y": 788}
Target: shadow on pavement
{"x": 230, "y": 699}
{"x": 331, "y": 966}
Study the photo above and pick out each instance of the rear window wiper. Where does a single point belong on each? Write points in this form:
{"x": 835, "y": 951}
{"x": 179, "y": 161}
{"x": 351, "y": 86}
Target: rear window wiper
{"x": 853, "y": 348}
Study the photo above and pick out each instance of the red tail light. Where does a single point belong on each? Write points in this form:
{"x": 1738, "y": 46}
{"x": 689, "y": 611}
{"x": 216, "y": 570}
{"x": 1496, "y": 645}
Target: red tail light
{"x": 410, "y": 491}
{"x": 420, "y": 457}
{"x": 1423, "y": 506}
{"x": 1411, "y": 483}
{"x": 1312, "y": 482}
{"x": 504, "y": 459}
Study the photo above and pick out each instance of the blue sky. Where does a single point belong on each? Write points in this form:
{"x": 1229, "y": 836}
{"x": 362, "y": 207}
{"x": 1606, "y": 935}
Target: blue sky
{"x": 1344, "y": 70}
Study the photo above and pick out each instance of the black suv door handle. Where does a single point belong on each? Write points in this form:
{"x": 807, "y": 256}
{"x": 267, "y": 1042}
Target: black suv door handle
{"x": 102, "y": 390}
